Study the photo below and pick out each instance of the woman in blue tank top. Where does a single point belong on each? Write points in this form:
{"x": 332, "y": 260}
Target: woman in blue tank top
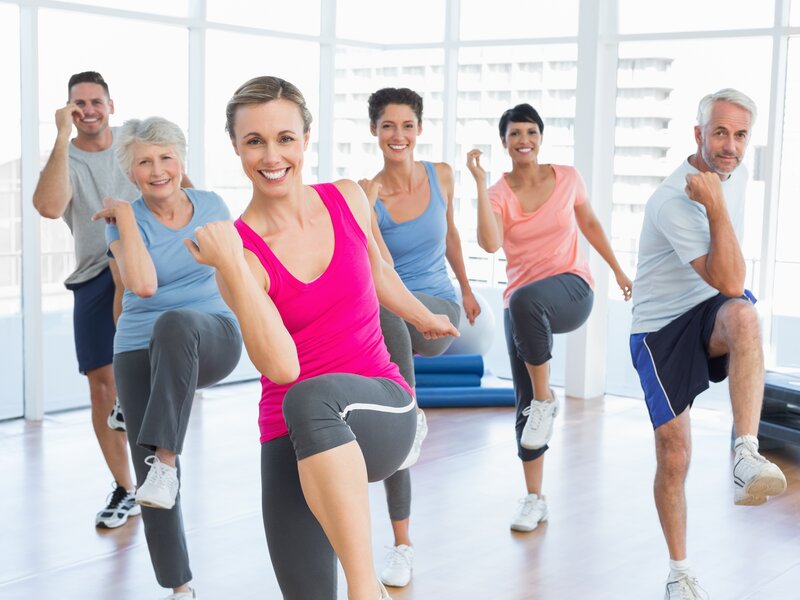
{"x": 415, "y": 229}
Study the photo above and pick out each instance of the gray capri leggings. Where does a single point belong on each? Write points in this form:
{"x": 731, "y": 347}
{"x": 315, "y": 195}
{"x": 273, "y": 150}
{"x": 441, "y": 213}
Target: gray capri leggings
{"x": 188, "y": 350}
{"x": 403, "y": 341}
{"x": 535, "y": 312}
{"x": 322, "y": 413}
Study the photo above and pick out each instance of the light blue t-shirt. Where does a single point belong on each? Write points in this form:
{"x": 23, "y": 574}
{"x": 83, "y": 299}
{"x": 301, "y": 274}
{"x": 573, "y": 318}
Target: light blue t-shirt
{"x": 675, "y": 231}
{"x": 182, "y": 282}
{"x": 418, "y": 246}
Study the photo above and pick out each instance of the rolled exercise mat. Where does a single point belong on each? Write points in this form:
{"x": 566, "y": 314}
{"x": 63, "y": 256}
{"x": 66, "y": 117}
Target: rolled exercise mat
{"x": 464, "y": 396}
{"x": 465, "y": 364}
{"x": 447, "y": 380}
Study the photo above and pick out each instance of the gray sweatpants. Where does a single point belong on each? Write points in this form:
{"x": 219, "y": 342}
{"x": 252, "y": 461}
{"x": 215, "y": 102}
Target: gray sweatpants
{"x": 402, "y": 342}
{"x": 322, "y": 413}
{"x": 188, "y": 350}
{"x": 535, "y": 312}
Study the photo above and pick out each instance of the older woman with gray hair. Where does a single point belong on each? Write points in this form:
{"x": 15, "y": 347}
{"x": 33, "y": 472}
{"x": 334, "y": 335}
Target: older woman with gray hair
{"x": 175, "y": 334}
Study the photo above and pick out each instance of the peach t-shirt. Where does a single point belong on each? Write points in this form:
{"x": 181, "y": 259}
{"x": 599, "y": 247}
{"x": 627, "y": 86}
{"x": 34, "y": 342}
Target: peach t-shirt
{"x": 545, "y": 242}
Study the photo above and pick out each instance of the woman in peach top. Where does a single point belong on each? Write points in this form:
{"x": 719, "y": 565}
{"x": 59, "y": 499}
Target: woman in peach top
{"x": 534, "y": 213}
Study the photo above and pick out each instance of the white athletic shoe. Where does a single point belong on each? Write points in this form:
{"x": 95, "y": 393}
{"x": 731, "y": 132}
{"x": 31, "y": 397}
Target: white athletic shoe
{"x": 160, "y": 488}
{"x": 532, "y": 511}
{"x": 190, "y": 595}
{"x": 399, "y": 564}
{"x": 539, "y": 427}
{"x": 684, "y": 588}
{"x": 416, "y": 447}
{"x": 754, "y": 477}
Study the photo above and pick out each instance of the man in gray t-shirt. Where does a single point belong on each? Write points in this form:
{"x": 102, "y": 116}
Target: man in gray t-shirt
{"x": 693, "y": 322}
{"x": 76, "y": 178}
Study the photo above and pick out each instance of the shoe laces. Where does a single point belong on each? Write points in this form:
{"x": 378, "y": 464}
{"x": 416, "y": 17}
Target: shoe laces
{"x": 158, "y": 474}
{"x": 396, "y": 557}
{"x": 528, "y": 504}
{"x": 746, "y": 449}
{"x": 536, "y": 410}
{"x": 690, "y": 589}
{"x": 116, "y": 497}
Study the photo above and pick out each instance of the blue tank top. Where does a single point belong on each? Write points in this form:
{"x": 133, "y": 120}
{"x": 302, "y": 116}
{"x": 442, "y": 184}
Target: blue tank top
{"x": 418, "y": 246}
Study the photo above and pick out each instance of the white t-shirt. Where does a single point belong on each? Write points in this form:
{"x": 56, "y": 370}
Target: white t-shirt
{"x": 675, "y": 231}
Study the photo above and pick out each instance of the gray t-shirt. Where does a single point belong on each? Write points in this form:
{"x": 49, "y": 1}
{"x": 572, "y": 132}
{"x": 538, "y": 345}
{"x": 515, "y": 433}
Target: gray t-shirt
{"x": 94, "y": 175}
{"x": 675, "y": 231}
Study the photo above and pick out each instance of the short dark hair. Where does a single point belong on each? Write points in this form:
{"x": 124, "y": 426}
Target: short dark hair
{"x": 385, "y": 96}
{"x": 521, "y": 113}
{"x": 87, "y": 77}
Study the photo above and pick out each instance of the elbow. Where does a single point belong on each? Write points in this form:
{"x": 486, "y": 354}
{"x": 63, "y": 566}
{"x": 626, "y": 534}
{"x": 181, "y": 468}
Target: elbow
{"x": 46, "y": 212}
{"x": 285, "y": 374}
{"x": 732, "y": 291}
{"x": 144, "y": 291}
{"x": 490, "y": 247}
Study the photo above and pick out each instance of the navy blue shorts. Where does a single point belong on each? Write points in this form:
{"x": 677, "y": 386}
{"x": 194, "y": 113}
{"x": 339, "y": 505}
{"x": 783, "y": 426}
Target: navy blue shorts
{"x": 673, "y": 363}
{"x": 93, "y": 321}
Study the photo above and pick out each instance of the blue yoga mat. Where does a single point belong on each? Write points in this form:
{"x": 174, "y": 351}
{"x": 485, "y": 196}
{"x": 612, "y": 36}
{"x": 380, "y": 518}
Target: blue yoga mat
{"x": 439, "y": 380}
{"x": 465, "y": 364}
{"x": 464, "y": 396}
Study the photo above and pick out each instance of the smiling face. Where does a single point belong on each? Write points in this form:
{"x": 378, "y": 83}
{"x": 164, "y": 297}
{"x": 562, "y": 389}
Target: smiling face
{"x": 96, "y": 106}
{"x": 269, "y": 140}
{"x": 397, "y": 129}
{"x": 721, "y": 143}
{"x": 157, "y": 171}
{"x": 522, "y": 141}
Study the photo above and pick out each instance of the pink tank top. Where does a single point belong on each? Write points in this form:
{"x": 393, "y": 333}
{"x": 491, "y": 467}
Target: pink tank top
{"x": 333, "y": 320}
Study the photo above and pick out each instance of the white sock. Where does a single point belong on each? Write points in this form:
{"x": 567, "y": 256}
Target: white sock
{"x": 678, "y": 568}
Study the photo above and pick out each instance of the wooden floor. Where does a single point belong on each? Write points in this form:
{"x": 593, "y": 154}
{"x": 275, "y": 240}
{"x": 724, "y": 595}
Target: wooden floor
{"x": 602, "y": 540}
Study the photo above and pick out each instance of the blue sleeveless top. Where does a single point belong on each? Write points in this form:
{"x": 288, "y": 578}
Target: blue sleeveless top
{"x": 418, "y": 246}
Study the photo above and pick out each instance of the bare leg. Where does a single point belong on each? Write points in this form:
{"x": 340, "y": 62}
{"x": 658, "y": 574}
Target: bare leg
{"x": 166, "y": 456}
{"x": 400, "y": 529}
{"x": 113, "y": 444}
{"x": 736, "y": 332}
{"x": 673, "y": 455}
{"x": 540, "y": 380}
{"x": 334, "y": 484}
{"x": 534, "y": 472}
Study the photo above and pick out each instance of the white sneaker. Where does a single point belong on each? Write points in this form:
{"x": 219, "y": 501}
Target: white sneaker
{"x": 685, "y": 588}
{"x": 416, "y": 447}
{"x": 539, "y": 427}
{"x": 160, "y": 487}
{"x": 399, "y": 564}
{"x": 754, "y": 477}
{"x": 190, "y": 595}
{"x": 115, "y": 419}
{"x": 532, "y": 511}
{"x": 120, "y": 505}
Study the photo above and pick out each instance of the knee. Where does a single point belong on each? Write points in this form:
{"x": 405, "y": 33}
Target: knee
{"x": 673, "y": 462}
{"x": 172, "y": 326}
{"x": 301, "y": 404}
{"x": 741, "y": 321}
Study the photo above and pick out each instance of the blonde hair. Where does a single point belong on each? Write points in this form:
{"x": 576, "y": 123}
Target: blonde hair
{"x": 261, "y": 90}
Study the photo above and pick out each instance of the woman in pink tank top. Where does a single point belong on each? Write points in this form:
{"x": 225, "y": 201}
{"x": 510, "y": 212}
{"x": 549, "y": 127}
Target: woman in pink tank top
{"x": 306, "y": 290}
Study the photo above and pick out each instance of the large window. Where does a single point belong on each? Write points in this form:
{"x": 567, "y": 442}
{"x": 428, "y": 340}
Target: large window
{"x": 636, "y": 16}
{"x": 785, "y": 293}
{"x": 515, "y": 19}
{"x": 407, "y": 23}
{"x": 10, "y": 219}
{"x": 298, "y": 16}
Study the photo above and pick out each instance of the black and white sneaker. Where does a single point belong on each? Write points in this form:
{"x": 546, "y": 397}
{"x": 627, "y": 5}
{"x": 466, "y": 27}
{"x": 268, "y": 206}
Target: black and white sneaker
{"x": 115, "y": 420}
{"x": 121, "y": 505}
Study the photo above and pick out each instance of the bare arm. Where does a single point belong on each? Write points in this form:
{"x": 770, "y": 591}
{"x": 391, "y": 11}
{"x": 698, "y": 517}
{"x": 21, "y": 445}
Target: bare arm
{"x": 243, "y": 284}
{"x": 723, "y": 267}
{"x": 54, "y": 189}
{"x": 453, "y": 250}
{"x": 390, "y": 289}
{"x": 490, "y": 224}
{"x": 592, "y": 230}
{"x": 371, "y": 189}
{"x": 119, "y": 289}
{"x": 136, "y": 269}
